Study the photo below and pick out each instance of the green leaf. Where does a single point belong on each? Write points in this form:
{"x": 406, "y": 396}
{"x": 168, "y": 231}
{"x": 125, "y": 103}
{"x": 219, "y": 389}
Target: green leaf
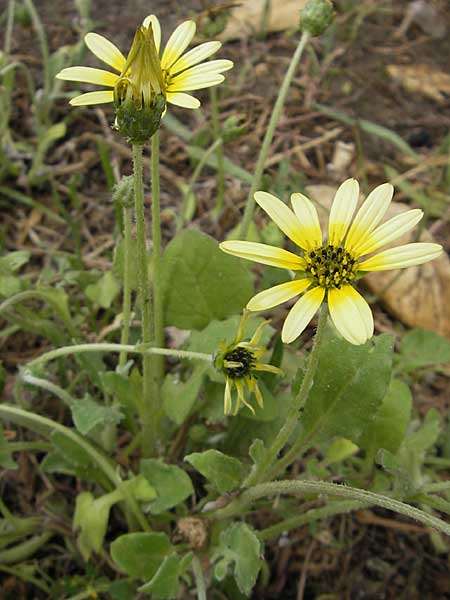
{"x": 11, "y": 262}
{"x": 425, "y": 436}
{"x": 104, "y": 291}
{"x": 141, "y": 554}
{"x": 10, "y": 285}
{"x": 179, "y": 397}
{"x": 388, "y": 428}
{"x": 349, "y": 386}
{"x": 339, "y": 450}
{"x": 171, "y": 483}
{"x": 91, "y": 519}
{"x": 421, "y": 348}
{"x": 224, "y": 472}
{"x": 202, "y": 283}
{"x": 87, "y": 414}
{"x": 126, "y": 390}
{"x": 240, "y": 548}
{"x": 165, "y": 583}
{"x": 72, "y": 458}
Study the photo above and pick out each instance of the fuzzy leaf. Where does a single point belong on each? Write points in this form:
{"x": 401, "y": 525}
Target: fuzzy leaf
{"x": 87, "y": 414}
{"x": 224, "y": 472}
{"x": 202, "y": 283}
{"x": 141, "y": 554}
{"x": 171, "y": 483}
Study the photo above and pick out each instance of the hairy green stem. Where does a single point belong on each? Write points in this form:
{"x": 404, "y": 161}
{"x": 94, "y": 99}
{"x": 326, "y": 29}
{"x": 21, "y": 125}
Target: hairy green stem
{"x": 149, "y": 404}
{"x": 315, "y": 514}
{"x": 220, "y": 194}
{"x": 105, "y": 347}
{"x": 9, "y": 27}
{"x": 127, "y": 266}
{"x": 199, "y": 578}
{"x": 49, "y": 386}
{"x": 158, "y": 311}
{"x": 299, "y": 486}
{"x": 294, "y": 410}
{"x": 276, "y": 113}
{"x": 46, "y": 427}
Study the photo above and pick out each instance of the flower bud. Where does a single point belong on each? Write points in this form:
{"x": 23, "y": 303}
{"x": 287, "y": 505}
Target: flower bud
{"x": 316, "y": 16}
{"x": 123, "y": 192}
{"x": 139, "y": 93}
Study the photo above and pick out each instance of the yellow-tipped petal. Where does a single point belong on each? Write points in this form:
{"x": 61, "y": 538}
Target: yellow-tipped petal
{"x": 342, "y": 210}
{"x": 227, "y": 397}
{"x": 401, "y": 257}
{"x": 177, "y": 43}
{"x": 105, "y": 50}
{"x": 283, "y": 217}
{"x": 278, "y": 294}
{"x": 183, "y": 100}
{"x": 93, "y": 98}
{"x": 262, "y": 253}
{"x": 301, "y": 314}
{"x": 156, "y": 28}
{"x": 241, "y": 398}
{"x": 195, "y": 56}
{"x": 306, "y": 213}
{"x": 388, "y": 232}
{"x": 188, "y": 83}
{"x": 351, "y": 314}
{"x": 369, "y": 215}
{"x": 88, "y": 75}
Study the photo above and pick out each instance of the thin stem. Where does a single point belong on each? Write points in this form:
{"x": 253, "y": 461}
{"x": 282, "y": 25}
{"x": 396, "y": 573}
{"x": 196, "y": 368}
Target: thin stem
{"x": 276, "y": 113}
{"x": 46, "y": 427}
{"x": 149, "y": 407}
{"x": 219, "y": 152}
{"x": 50, "y": 387}
{"x": 158, "y": 312}
{"x": 29, "y": 447}
{"x": 199, "y": 578}
{"x": 25, "y": 550}
{"x": 296, "y": 406}
{"x": 9, "y": 27}
{"x": 126, "y": 311}
{"x": 330, "y": 489}
{"x": 105, "y": 347}
{"x": 315, "y": 514}
{"x": 189, "y": 191}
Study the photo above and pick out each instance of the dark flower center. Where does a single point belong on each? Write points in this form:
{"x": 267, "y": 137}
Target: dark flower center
{"x": 239, "y": 355}
{"x": 330, "y": 266}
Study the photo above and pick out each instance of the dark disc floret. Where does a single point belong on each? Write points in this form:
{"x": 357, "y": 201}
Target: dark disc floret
{"x": 242, "y": 356}
{"x": 331, "y": 266}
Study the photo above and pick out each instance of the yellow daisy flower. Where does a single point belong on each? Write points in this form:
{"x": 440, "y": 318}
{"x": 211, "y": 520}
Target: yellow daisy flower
{"x": 238, "y": 362}
{"x": 328, "y": 269}
{"x": 174, "y": 74}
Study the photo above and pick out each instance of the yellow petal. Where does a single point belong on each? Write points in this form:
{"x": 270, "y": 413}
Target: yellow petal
{"x": 105, "y": 50}
{"x": 183, "y": 100}
{"x": 262, "y": 253}
{"x": 227, "y": 397}
{"x": 307, "y": 215}
{"x": 401, "y": 257}
{"x": 93, "y": 98}
{"x": 351, "y": 314}
{"x": 369, "y": 215}
{"x": 278, "y": 294}
{"x": 301, "y": 314}
{"x": 177, "y": 43}
{"x": 195, "y": 56}
{"x": 183, "y": 83}
{"x": 283, "y": 217}
{"x": 156, "y": 28}
{"x": 388, "y": 232}
{"x": 342, "y": 210}
{"x": 88, "y": 75}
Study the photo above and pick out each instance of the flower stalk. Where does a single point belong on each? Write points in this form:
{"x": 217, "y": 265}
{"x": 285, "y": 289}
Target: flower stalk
{"x": 158, "y": 313}
{"x": 220, "y": 192}
{"x": 150, "y": 401}
{"x": 275, "y": 117}
{"x": 126, "y": 310}
{"x": 295, "y": 408}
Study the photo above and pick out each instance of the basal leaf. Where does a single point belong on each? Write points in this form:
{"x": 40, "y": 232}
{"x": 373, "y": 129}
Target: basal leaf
{"x": 224, "y": 472}
{"x": 171, "y": 483}
{"x": 141, "y": 554}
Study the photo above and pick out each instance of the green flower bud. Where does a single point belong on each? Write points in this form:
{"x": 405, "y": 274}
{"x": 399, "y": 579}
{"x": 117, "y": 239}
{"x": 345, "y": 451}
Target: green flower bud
{"x": 316, "y": 16}
{"x": 138, "y": 125}
{"x": 123, "y": 192}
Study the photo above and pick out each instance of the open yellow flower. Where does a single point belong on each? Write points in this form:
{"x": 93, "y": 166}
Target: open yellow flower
{"x": 175, "y": 72}
{"x": 328, "y": 269}
{"x": 240, "y": 363}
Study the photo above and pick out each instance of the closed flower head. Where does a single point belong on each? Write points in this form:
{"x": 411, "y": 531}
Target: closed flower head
{"x": 328, "y": 267}
{"x": 145, "y": 81}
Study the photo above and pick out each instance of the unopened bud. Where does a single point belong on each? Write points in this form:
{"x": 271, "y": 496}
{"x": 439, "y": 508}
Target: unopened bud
{"x": 316, "y": 17}
{"x": 123, "y": 192}
{"x": 138, "y": 125}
